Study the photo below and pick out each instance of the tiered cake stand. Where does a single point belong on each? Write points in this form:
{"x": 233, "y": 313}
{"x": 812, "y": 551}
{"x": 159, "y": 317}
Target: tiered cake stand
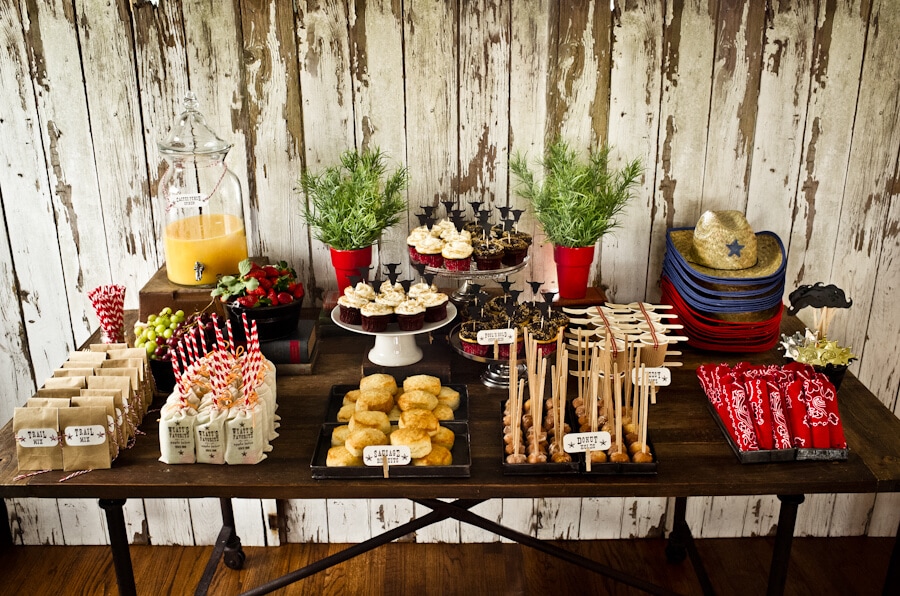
{"x": 496, "y": 373}
{"x": 466, "y": 291}
{"x": 394, "y": 347}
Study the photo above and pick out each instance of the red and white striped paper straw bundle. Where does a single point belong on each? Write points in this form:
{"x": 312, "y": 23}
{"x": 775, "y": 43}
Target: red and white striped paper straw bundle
{"x": 109, "y": 304}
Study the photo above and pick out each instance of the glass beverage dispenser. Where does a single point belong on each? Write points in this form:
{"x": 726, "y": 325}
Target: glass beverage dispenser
{"x": 204, "y": 228}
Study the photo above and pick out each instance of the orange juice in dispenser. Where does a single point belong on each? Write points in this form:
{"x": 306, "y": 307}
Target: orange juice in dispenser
{"x": 204, "y": 231}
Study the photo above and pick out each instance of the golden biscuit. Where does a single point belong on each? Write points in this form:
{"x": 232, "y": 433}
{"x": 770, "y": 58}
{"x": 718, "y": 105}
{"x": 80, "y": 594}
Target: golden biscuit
{"x": 375, "y": 399}
{"x": 438, "y": 456}
{"x": 340, "y": 457}
{"x": 417, "y": 400}
{"x": 381, "y": 381}
{"x": 339, "y": 435}
{"x": 416, "y": 439}
{"x": 345, "y": 413}
{"x": 423, "y": 383}
{"x": 443, "y": 412}
{"x": 449, "y": 397}
{"x": 370, "y": 419}
{"x": 362, "y": 438}
{"x": 423, "y": 419}
{"x": 444, "y": 437}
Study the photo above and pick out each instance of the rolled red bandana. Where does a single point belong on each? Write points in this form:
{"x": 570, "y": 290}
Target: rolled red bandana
{"x": 761, "y": 410}
{"x": 780, "y": 429}
{"x": 739, "y": 415}
{"x": 801, "y": 435}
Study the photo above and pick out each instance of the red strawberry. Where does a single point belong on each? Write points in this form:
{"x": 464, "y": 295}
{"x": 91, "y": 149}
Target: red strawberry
{"x": 285, "y": 298}
{"x": 298, "y": 291}
{"x": 247, "y": 301}
{"x": 271, "y": 271}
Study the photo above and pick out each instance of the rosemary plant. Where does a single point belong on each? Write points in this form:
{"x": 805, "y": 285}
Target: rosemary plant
{"x": 576, "y": 203}
{"x": 350, "y": 205}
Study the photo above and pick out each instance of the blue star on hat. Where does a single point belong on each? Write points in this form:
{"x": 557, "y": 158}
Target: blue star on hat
{"x": 735, "y": 248}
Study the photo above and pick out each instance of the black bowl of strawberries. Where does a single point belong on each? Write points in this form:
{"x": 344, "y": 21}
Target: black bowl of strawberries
{"x": 271, "y": 295}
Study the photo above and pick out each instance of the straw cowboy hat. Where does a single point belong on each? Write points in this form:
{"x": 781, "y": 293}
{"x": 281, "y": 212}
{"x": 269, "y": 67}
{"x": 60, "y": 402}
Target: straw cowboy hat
{"x": 724, "y": 245}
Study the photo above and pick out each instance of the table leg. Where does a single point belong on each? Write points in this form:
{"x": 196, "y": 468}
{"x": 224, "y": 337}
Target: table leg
{"x": 681, "y": 544}
{"x": 118, "y": 542}
{"x": 784, "y": 536}
{"x": 228, "y": 548}
{"x": 892, "y": 580}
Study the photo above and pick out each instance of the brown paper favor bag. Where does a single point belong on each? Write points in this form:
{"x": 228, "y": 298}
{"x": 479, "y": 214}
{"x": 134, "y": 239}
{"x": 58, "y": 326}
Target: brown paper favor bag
{"x": 48, "y": 402}
{"x": 118, "y": 412}
{"x": 65, "y": 383}
{"x": 84, "y": 439}
{"x": 143, "y": 387}
{"x": 108, "y": 403}
{"x": 73, "y": 372}
{"x": 107, "y": 347}
{"x": 124, "y": 385}
{"x": 147, "y": 379}
{"x": 58, "y": 393}
{"x": 36, "y": 431}
{"x": 85, "y": 358}
{"x": 133, "y": 376}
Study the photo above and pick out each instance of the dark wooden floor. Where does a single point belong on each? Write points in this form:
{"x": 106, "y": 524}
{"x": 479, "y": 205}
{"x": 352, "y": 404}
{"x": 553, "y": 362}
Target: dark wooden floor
{"x": 819, "y": 567}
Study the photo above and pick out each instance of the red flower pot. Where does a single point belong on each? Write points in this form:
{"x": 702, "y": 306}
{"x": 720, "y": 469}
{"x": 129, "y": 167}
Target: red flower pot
{"x": 347, "y": 264}
{"x": 573, "y": 267}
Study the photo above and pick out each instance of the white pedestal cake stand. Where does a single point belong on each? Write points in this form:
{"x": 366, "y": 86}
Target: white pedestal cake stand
{"x": 394, "y": 347}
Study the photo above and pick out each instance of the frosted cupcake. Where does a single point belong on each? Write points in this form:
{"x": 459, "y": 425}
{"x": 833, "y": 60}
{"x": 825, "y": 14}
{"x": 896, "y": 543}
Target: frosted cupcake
{"x": 416, "y": 290}
{"x": 349, "y": 308}
{"x": 435, "y": 306}
{"x": 410, "y": 315}
{"x": 457, "y": 256}
{"x": 414, "y": 238}
{"x": 375, "y": 317}
{"x": 363, "y": 290}
{"x": 429, "y": 250}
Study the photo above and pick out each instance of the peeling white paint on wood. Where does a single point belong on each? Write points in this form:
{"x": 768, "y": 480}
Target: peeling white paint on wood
{"x": 306, "y": 520}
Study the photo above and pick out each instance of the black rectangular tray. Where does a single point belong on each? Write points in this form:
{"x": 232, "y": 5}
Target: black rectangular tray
{"x": 617, "y": 468}
{"x": 460, "y": 468}
{"x": 762, "y": 456}
{"x": 546, "y": 468}
{"x": 336, "y": 400}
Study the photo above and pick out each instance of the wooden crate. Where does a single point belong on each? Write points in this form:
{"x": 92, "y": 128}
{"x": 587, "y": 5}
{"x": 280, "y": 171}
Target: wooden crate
{"x": 159, "y": 293}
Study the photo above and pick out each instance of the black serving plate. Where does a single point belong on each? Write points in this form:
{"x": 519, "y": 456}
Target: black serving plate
{"x": 336, "y": 400}
{"x": 762, "y": 456}
{"x": 460, "y": 468}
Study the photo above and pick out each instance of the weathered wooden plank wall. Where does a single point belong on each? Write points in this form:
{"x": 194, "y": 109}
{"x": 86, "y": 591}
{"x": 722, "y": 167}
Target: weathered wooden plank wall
{"x": 787, "y": 110}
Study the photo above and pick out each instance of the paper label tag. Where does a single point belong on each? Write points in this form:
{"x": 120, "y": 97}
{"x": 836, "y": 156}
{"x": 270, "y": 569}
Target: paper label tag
{"x": 488, "y": 337}
{"x": 581, "y": 442}
{"x": 37, "y": 437}
{"x": 189, "y": 200}
{"x": 82, "y": 436}
{"x": 661, "y": 376}
{"x": 397, "y": 455}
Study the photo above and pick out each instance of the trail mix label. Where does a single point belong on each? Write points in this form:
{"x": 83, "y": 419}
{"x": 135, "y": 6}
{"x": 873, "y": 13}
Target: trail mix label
{"x": 78, "y": 436}
{"x": 37, "y": 437}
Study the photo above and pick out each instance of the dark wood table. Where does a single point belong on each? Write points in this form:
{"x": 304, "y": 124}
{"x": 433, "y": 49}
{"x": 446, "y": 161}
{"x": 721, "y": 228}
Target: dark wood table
{"x": 694, "y": 460}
